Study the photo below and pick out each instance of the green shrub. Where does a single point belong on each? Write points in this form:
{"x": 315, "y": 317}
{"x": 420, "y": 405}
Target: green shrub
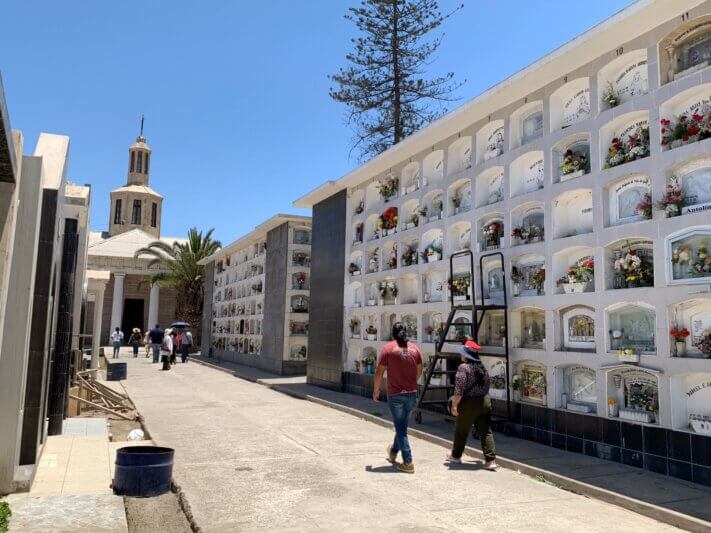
{"x": 4, "y": 516}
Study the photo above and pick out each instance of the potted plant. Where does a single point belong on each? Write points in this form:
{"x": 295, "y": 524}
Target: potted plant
{"x": 370, "y": 364}
{"x": 610, "y": 96}
{"x": 673, "y": 200}
{"x": 516, "y": 387}
{"x": 612, "y": 408}
{"x": 371, "y": 332}
{"x": 704, "y": 344}
{"x": 354, "y": 326}
{"x": 680, "y": 335}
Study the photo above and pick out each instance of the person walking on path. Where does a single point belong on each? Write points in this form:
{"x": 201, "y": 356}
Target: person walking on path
{"x": 167, "y": 348}
{"x": 156, "y": 336}
{"x": 471, "y": 405}
{"x": 135, "y": 341}
{"x": 186, "y": 342}
{"x": 175, "y": 337}
{"x": 116, "y": 340}
{"x": 403, "y": 361}
{"x": 147, "y": 343}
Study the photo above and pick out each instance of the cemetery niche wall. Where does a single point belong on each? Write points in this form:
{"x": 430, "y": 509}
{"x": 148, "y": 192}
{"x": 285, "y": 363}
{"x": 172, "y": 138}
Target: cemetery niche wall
{"x": 633, "y": 394}
{"x": 577, "y": 386}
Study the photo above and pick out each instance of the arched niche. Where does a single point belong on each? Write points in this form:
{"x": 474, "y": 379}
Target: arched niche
{"x": 355, "y": 294}
{"x": 301, "y": 235}
{"x": 433, "y": 286}
{"x": 372, "y": 194}
{"x": 389, "y": 256}
{"x": 409, "y": 320}
{"x": 409, "y": 251}
{"x": 459, "y": 155}
{"x": 526, "y": 274}
{"x": 625, "y": 139}
{"x": 460, "y": 286}
{"x": 298, "y": 328}
{"x": 494, "y": 281}
{"x": 685, "y": 50}
{"x": 432, "y": 325}
{"x": 684, "y": 118}
{"x": 372, "y": 259}
{"x": 388, "y": 220}
{"x": 572, "y": 266}
{"x": 695, "y": 316}
{"x": 389, "y": 290}
{"x": 461, "y": 327}
{"x": 694, "y": 176}
{"x": 691, "y": 402}
{"x": 355, "y": 265}
{"x": 528, "y": 325}
{"x": 528, "y": 224}
{"x": 371, "y": 326}
{"x": 630, "y": 264}
{"x": 460, "y": 196}
{"x": 577, "y": 386}
{"x": 526, "y": 174}
{"x": 490, "y": 231}
{"x": 299, "y": 303}
{"x": 410, "y": 180}
{"x": 372, "y": 227}
{"x": 358, "y": 228}
{"x": 490, "y": 186}
{"x": 623, "y": 78}
{"x": 433, "y": 167}
{"x": 577, "y": 328}
{"x": 431, "y": 207}
{"x": 572, "y": 213}
{"x": 526, "y": 123}
{"x": 570, "y": 104}
{"x": 571, "y": 157}
{"x": 459, "y": 236}
{"x": 688, "y": 255}
{"x": 410, "y": 217}
{"x": 432, "y": 245}
{"x": 531, "y": 380}
{"x": 624, "y": 197}
{"x": 635, "y": 393}
{"x": 369, "y": 360}
{"x": 493, "y": 329}
{"x": 387, "y": 320}
{"x": 631, "y": 326}
{"x": 490, "y": 141}
{"x": 371, "y": 294}
{"x": 497, "y": 373}
{"x": 357, "y": 201}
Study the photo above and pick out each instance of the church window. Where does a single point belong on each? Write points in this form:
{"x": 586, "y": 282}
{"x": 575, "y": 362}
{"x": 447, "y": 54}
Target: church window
{"x": 154, "y": 211}
{"x": 133, "y": 161}
{"x": 136, "y": 215}
{"x": 117, "y": 212}
{"x": 145, "y": 166}
{"x": 139, "y": 164}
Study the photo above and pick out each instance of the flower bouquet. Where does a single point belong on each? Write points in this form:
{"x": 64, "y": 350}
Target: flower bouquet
{"x": 634, "y": 269}
{"x": 573, "y": 165}
{"x": 685, "y": 129}
{"x": 635, "y": 147}
{"x": 704, "y": 344}
{"x": 459, "y": 287}
{"x": 388, "y": 220}
{"x": 354, "y": 269}
{"x": 673, "y": 200}
{"x": 680, "y": 335}
{"x": 700, "y": 266}
{"x": 360, "y": 208}
{"x": 538, "y": 280}
{"x": 392, "y": 260}
{"x": 388, "y": 289}
{"x": 409, "y": 256}
{"x": 492, "y": 234}
{"x": 578, "y": 277}
{"x": 388, "y": 188}
{"x": 527, "y": 234}
{"x": 371, "y": 331}
{"x": 610, "y": 96}
{"x": 428, "y": 333}
{"x": 432, "y": 253}
{"x": 644, "y": 207}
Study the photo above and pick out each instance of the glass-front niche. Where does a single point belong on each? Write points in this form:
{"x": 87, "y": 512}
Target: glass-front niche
{"x": 529, "y": 382}
{"x": 631, "y": 329}
{"x": 694, "y": 316}
{"x": 689, "y": 255}
{"x": 493, "y": 329}
{"x": 633, "y": 394}
{"x": 578, "y": 329}
{"x": 531, "y": 126}
{"x": 578, "y": 386}
{"x": 528, "y": 276}
{"x": 694, "y": 178}
{"x": 531, "y": 328}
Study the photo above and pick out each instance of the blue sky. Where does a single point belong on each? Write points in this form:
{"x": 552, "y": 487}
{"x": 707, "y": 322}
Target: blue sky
{"x": 235, "y": 93}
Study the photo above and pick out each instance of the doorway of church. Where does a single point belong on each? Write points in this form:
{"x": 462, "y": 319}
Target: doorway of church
{"x": 132, "y": 316}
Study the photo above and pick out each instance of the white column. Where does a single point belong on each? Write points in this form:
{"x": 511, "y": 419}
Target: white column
{"x": 117, "y": 303}
{"x": 153, "y": 306}
{"x": 96, "y": 328}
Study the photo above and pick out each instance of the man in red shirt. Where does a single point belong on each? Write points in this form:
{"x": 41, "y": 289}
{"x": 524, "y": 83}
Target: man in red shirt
{"x": 403, "y": 362}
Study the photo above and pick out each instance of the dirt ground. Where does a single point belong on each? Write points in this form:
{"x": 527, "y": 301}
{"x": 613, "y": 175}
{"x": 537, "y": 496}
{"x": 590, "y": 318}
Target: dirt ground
{"x": 160, "y": 513}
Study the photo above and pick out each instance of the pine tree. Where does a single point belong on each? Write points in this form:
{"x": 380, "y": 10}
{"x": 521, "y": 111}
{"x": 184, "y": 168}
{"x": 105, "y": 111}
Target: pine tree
{"x": 384, "y": 87}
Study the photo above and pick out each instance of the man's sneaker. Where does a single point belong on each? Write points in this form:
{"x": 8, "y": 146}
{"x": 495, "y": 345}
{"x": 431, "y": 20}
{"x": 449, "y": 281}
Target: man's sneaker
{"x": 408, "y": 468}
{"x": 491, "y": 465}
{"x": 453, "y": 460}
{"x": 390, "y": 454}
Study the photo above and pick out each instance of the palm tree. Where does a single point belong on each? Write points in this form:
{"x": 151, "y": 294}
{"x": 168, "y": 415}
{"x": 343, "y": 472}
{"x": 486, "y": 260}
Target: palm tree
{"x": 180, "y": 270}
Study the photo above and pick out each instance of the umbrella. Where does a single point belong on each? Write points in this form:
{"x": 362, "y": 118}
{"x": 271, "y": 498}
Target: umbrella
{"x": 179, "y": 324}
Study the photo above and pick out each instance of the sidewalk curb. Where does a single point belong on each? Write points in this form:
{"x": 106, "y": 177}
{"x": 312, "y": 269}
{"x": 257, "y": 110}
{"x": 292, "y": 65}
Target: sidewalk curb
{"x": 649, "y": 510}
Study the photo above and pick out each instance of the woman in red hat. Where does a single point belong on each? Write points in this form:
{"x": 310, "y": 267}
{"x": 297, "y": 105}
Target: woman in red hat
{"x": 471, "y": 405}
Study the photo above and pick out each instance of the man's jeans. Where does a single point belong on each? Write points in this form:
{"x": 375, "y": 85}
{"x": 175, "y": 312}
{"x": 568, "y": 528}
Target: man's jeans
{"x": 117, "y": 347}
{"x": 401, "y": 405}
{"x": 156, "y": 352}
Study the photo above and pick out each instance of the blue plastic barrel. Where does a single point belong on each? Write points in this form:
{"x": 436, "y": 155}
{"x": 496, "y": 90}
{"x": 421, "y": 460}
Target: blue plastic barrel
{"x": 116, "y": 371}
{"x": 143, "y": 471}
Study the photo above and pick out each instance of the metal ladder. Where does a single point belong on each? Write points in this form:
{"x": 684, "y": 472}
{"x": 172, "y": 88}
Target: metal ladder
{"x": 438, "y": 403}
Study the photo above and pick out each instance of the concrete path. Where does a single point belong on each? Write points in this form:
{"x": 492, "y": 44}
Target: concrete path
{"x": 250, "y": 458}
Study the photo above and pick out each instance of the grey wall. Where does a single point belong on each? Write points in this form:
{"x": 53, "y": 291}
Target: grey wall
{"x": 272, "y": 355}
{"x": 325, "y": 361}
{"x": 208, "y": 276}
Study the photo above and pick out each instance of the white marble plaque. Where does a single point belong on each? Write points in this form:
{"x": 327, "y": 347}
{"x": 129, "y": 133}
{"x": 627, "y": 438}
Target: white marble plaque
{"x": 576, "y": 108}
{"x": 632, "y": 81}
{"x": 533, "y": 177}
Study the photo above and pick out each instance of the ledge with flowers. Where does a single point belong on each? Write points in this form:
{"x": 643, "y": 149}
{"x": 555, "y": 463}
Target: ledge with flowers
{"x": 685, "y": 129}
{"x": 492, "y": 233}
{"x": 635, "y": 146}
{"x": 528, "y": 233}
{"x": 633, "y": 268}
{"x": 579, "y": 277}
{"x": 387, "y": 223}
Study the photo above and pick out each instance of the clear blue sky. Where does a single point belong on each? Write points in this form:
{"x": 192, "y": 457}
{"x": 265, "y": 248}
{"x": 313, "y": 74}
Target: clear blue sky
{"x": 235, "y": 94}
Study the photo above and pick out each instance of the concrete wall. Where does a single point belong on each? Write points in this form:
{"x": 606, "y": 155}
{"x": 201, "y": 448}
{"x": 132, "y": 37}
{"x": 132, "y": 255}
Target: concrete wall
{"x": 209, "y": 288}
{"x": 272, "y": 355}
{"x": 325, "y": 361}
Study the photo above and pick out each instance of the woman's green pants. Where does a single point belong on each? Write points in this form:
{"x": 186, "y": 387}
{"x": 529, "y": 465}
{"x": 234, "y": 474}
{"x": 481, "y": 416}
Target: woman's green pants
{"x": 474, "y": 411}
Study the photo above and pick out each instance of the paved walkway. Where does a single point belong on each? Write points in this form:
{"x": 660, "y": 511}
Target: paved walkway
{"x": 249, "y": 458}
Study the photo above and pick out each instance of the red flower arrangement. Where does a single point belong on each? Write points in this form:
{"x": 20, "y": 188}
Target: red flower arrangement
{"x": 685, "y": 129}
{"x": 679, "y": 334}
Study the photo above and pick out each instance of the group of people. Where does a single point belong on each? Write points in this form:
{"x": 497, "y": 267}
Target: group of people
{"x": 470, "y": 403}
{"x": 171, "y": 341}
